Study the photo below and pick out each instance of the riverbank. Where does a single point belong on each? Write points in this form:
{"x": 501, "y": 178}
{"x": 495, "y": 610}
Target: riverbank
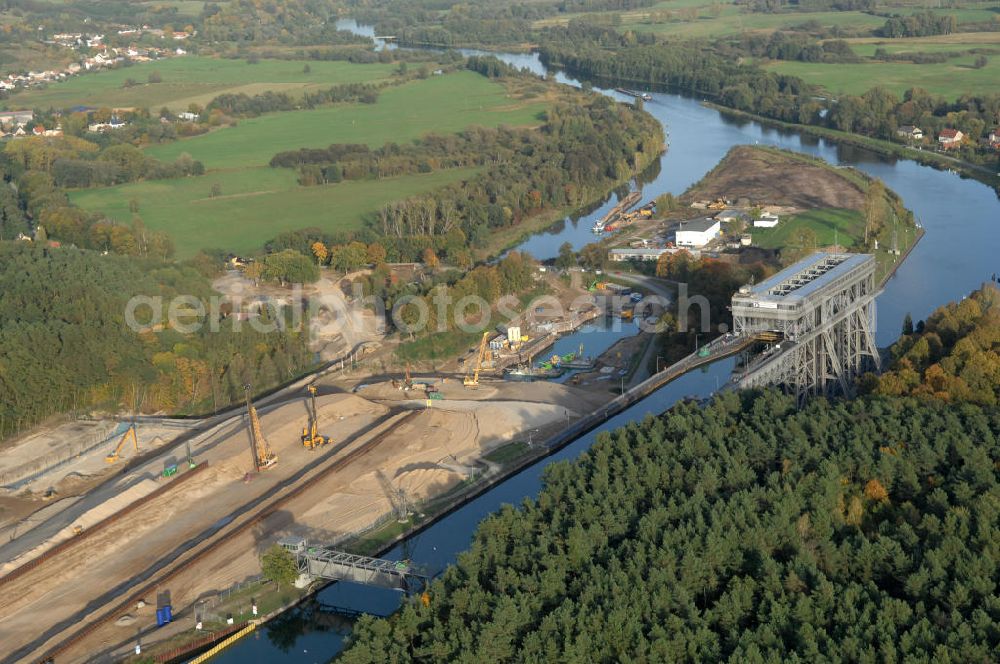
{"x": 504, "y": 240}
{"x": 886, "y": 148}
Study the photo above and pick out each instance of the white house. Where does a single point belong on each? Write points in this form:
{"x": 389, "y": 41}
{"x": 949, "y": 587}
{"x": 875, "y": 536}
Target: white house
{"x": 697, "y": 232}
{"x": 767, "y": 220}
{"x": 910, "y": 132}
{"x": 950, "y": 138}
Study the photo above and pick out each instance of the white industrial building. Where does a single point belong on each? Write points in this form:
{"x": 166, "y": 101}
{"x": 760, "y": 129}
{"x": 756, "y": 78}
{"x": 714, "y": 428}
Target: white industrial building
{"x": 767, "y": 220}
{"x": 698, "y": 232}
{"x": 638, "y": 254}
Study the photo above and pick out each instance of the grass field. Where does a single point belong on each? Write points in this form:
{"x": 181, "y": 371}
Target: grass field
{"x": 258, "y": 202}
{"x": 831, "y": 225}
{"x": 255, "y": 205}
{"x": 958, "y": 42}
{"x": 950, "y": 79}
{"x": 441, "y": 104}
{"x": 191, "y": 79}
{"x": 732, "y": 20}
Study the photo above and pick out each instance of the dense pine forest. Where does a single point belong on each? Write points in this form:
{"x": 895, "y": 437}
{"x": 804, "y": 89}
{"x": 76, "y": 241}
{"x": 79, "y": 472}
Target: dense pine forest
{"x": 64, "y": 344}
{"x": 748, "y": 531}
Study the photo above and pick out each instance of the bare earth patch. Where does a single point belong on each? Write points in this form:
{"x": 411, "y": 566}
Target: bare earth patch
{"x": 773, "y": 178}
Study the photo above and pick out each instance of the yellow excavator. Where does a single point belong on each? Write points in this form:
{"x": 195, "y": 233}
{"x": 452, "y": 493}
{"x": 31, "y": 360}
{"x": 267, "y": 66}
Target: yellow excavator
{"x": 311, "y": 439}
{"x": 472, "y": 375}
{"x": 263, "y": 457}
{"x": 129, "y": 435}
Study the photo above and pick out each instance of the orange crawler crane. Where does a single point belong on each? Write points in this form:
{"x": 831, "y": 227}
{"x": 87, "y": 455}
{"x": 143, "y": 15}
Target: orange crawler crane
{"x": 263, "y": 457}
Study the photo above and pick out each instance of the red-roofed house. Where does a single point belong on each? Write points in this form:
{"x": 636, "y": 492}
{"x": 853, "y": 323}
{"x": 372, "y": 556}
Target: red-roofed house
{"x": 950, "y": 138}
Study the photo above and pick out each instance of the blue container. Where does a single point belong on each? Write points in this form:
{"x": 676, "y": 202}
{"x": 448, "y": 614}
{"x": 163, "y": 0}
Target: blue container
{"x": 160, "y": 622}
{"x": 168, "y": 614}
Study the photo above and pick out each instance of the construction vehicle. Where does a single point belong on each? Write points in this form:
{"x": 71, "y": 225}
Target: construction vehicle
{"x": 190, "y": 458}
{"x": 263, "y": 457}
{"x": 77, "y": 530}
{"x": 128, "y": 435}
{"x": 472, "y": 375}
{"x": 170, "y": 470}
{"x": 311, "y": 439}
{"x": 407, "y": 381}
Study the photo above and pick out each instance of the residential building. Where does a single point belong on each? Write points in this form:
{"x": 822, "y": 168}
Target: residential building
{"x": 697, "y": 232}
{"x": 950, "y": 138}
{"x": 910, "y": 133}
{"x": 994, "y": 138}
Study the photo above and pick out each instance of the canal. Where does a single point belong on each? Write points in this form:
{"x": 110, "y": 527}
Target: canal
{"x": 961, "y": 250}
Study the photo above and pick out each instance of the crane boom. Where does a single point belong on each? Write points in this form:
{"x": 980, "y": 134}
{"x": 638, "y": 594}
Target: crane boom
{"x": 472, "y": 377}
{"x": 263, "y": 457}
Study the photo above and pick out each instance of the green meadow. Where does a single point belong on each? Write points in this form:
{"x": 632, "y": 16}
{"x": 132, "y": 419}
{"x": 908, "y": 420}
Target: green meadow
{"x": 191, "y": 79}
{"x": 443, "y": 104}
{"x": 831, "y": 226}
{"x": 951, "y": 79}
{"x": 255, "y": 205}
{"x": 256, "y": 202}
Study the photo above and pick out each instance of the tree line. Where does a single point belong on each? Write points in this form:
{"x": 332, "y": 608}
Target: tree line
{"x": 242, "y": 105}
{"x": 867, "y": 533}
{"x": 698, "y": 67}
{"x": 65, "y": 345}
{"x": 954, "y": 355}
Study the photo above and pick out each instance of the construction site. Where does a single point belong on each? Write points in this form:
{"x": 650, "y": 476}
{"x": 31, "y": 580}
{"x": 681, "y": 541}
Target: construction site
{"x": 117, "y": 520}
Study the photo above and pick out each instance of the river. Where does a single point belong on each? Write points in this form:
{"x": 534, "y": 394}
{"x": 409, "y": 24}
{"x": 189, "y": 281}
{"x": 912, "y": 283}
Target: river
{"x": 960, "y": 250}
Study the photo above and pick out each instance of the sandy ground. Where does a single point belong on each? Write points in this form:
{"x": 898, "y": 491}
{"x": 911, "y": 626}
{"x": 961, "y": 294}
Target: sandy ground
{"x": 336, "y": 326}
{"x": 46, "y": 595}
{"x": 427, "y": 452}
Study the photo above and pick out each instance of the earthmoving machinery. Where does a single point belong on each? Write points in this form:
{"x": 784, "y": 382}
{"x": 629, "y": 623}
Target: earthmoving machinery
{"x": 263, "y": 457}
{"x": 407, "y": 380}
{"x": 128, "y": 435}
{"x": 472, "y": 375}
{"x": 311, "y": 439}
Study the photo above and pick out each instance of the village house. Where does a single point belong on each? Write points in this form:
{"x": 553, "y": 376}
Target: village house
{"x": 950, "y": 138}
{"x": 910, "y": 133}
{"x": 994, "y": 138}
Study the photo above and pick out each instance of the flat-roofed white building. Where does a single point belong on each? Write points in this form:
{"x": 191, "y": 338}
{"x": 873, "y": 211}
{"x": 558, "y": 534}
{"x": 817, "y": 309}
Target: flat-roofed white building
{"x": 697, "y": 232}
